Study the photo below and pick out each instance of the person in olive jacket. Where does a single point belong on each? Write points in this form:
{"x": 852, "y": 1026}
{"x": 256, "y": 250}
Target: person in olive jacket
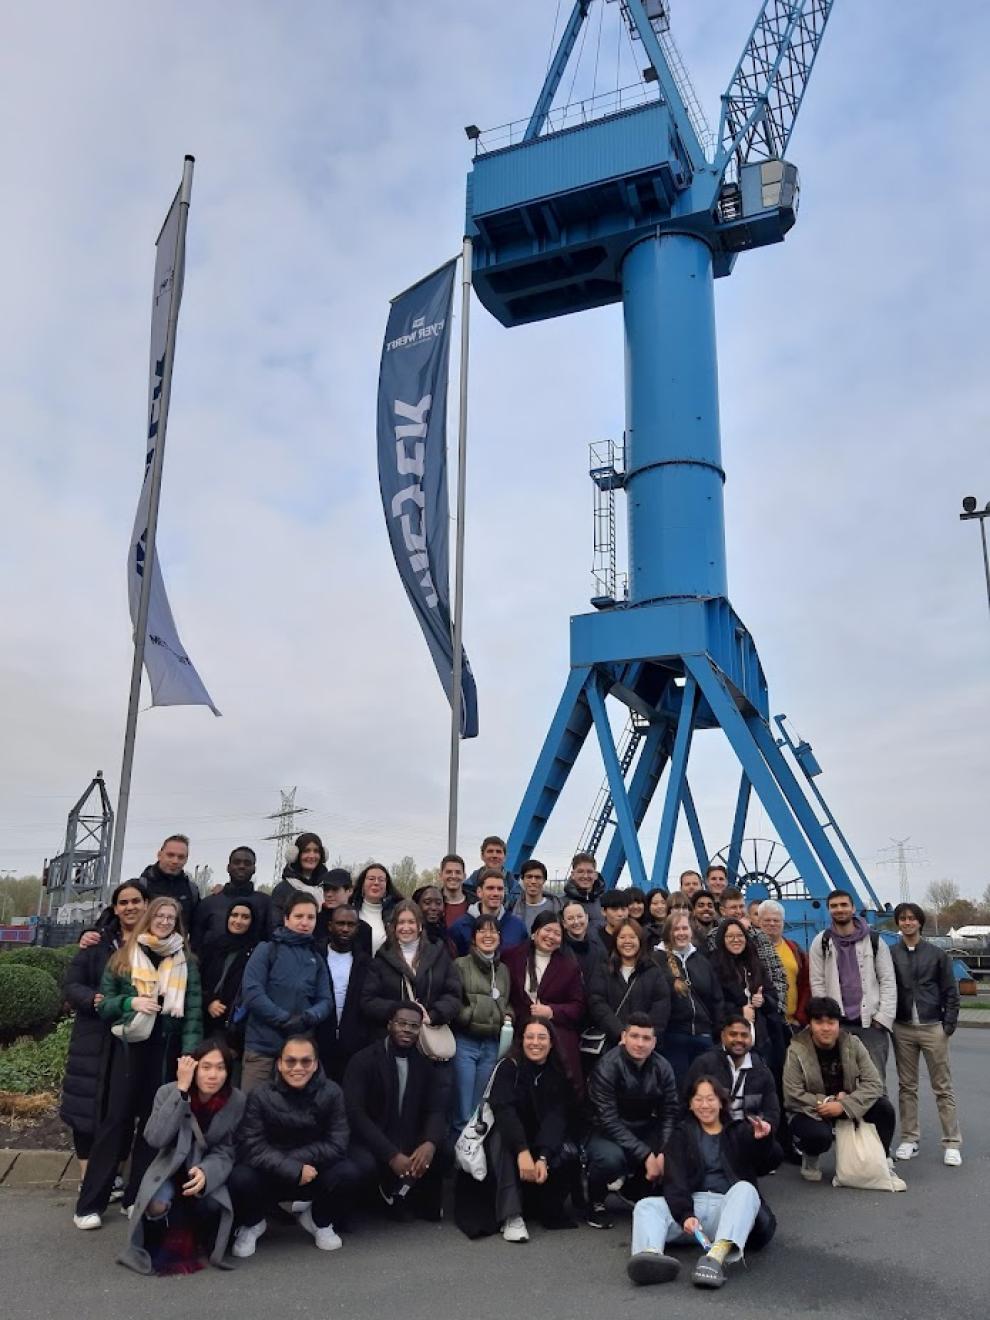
{"x": 484, "y": 1010}
{"x": 628, "y": 981}
{"x": 152, "y": 982}
{"x": 410, "y": 967}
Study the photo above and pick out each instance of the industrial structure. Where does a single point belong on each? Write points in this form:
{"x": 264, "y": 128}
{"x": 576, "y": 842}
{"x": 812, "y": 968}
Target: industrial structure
{"x": 83, "y": 865}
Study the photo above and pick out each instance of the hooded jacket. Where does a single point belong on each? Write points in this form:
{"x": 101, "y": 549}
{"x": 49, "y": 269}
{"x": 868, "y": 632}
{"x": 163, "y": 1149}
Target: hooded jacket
{"x": 589, "y": 901}
{"x": 435, "y": 984}
{"x": 286, "y": 986}
{"x": 285, "y": 1127}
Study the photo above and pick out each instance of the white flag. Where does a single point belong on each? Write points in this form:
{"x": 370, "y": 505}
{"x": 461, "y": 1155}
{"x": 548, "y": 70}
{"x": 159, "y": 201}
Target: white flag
{"x": 173, "y": 677}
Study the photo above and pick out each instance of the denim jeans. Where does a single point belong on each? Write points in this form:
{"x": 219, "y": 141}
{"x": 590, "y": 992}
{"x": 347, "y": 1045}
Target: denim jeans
{"x": 680, "y": 1049}
{"x": 729, "y": 1216}
{"x": 474, "y": 1062}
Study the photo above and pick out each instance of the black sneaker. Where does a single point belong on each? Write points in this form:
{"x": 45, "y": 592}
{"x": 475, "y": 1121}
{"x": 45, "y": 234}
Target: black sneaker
{"x": 648, "y": 1267}
{"x": 598, "y": 1216}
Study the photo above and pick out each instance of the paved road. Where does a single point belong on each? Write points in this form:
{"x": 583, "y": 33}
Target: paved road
{"x": 920, "y": 1255}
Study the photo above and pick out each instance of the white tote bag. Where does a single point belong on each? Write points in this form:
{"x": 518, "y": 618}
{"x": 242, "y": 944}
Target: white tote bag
{"x": 469, "y": 1148}
{"x": 860, "y": 1159}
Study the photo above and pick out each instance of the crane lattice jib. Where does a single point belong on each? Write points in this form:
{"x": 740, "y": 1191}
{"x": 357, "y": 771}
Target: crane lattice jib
{"x": 761, "y": 103}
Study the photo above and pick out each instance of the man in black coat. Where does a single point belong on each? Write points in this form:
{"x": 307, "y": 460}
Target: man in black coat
{"x": 292, "y": 1144}
{"x": 210, "y": 917}
{"x": 346, "y": 1030}
{"x": 749, "y": 1082}
{"x": 166, "y": 878}
{"x": 634, "y": 1105}
{"x": 397, "y": 1104}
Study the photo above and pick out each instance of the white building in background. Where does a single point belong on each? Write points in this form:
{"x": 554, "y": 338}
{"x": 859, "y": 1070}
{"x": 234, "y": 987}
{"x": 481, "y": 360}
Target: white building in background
{"x": 976, "y": 933}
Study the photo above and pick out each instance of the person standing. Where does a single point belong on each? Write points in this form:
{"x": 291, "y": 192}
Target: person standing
{"x": 455, "y": 896}
{"x": 210, "y": 918}
{"x": 491, "y": 902}
{"x": 579, "y": 939}
{"x": 689, "y": 883}
{"x": 408, "y": 968}
{"x": 534, "y": 899}
{"x": 585, "y": 886}
{"x": 716, "y": 881}
{"x": 792, "y": 958}
{"x": 344, "y": 1030}
{"x": 484, "y": 1009}
{"x": 221, "y": 969}
{"x": 545, "y": 983}
{"x": 927, "y": 1013}
{"x": 696, "y": 1005}
{"x": 852, "y": 965}
{"x": 493, "y": 859}
{"x": 704, "y": 914}
{"x": 375, "y": 897}
{"x": 166, "y": 878}
{"x": 304, "y": 873}
{"x": 628, "y": 982}
{"x": 429, "y": 900}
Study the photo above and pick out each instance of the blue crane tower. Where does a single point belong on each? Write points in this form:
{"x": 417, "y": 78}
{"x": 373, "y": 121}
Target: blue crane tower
{"x": 628, "y": 207}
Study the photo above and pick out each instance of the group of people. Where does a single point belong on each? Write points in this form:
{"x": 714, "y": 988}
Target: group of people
{"x": 323, "y": 1047}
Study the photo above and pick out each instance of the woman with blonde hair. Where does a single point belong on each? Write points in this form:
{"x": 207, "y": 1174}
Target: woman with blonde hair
{"x": 696, "y": 1005}
{"x": 153, "y": 1003}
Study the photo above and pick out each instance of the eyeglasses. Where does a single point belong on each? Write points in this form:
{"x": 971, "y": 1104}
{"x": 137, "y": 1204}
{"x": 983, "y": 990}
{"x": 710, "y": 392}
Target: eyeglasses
{"x": 298, "y": 1065}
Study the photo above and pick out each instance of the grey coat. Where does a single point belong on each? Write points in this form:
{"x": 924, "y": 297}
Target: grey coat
{"x": 181, "y": 1144}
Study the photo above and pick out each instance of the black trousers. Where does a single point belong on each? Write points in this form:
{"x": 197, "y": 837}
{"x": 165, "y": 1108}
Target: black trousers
{"x": 424, "y": 1198}
{"x": 514, "y": 1197}
{"x": 607, "y": 1161}
{"x": 254, "y": 1193}
{"x": 136, "y": 1072}
{"x": 815, "y": 1136}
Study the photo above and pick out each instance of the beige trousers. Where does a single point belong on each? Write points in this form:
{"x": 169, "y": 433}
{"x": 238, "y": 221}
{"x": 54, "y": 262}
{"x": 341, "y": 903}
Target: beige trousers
{"x": 910, "y": 1042}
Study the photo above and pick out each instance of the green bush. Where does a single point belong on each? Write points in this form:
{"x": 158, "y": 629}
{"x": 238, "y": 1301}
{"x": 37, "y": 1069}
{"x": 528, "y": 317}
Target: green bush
{"x": 45, "y": 960}
{"x": 28, "y": 998}
{"x": 31, "y": 1066}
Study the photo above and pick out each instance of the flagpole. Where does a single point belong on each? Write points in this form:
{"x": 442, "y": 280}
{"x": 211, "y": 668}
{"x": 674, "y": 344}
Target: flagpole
{"x": 456, "y": 685}
{"x": 157, "y": 465}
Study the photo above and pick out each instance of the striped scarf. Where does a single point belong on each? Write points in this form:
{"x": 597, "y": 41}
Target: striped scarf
{"x": 167, "y": 981}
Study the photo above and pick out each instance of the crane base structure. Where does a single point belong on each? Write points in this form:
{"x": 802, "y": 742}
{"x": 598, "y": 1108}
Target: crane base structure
{"x": 625, "y": 206}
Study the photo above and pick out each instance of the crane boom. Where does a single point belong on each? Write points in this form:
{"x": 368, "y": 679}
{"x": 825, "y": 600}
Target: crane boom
{"x": 760, "y": 105}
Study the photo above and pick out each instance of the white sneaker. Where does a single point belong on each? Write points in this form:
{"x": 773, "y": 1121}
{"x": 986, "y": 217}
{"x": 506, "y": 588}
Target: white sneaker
{"x": 811, "y": 1168}
{"x": 906, "y": 1150}
{"x": 246, "y": 1239}
{"x": 514, "y": 1229}
{"x": 952, "y": 1157}
{"x": 325, "y": 1238}
{"x": 87, "y": 1221}
{"x": 300, "y": 1207}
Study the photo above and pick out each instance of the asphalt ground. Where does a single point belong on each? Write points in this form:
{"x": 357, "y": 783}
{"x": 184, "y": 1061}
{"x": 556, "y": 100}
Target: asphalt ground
{"x": 843, "y": 1254}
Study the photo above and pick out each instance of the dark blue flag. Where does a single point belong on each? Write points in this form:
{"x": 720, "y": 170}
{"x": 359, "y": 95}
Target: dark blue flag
{"x": 412, "y": 466}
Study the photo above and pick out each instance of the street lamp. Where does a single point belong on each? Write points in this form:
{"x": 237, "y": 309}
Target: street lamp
{"x": 969, "y": 512}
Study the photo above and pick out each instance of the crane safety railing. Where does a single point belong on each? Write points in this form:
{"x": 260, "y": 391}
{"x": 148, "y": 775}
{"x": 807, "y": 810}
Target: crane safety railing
{"x": 572, "y": 115}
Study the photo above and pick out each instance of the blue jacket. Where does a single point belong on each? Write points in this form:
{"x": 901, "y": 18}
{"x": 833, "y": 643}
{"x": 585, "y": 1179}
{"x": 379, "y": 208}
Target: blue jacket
{"x": 286, "y": 986}
{"x": 512, "y": 929}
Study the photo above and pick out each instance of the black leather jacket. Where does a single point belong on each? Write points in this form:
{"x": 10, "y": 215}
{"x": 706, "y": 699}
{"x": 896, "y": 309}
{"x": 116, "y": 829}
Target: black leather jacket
{"x": 925, "y": 980}
{"x": 634, "y": 1105}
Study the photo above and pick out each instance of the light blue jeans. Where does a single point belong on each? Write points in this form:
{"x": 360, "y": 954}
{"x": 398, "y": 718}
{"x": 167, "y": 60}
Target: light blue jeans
{"x": 165, "y": 1195}
{"x": 730, "y": 1216}
{"x": 474, "y": 1062}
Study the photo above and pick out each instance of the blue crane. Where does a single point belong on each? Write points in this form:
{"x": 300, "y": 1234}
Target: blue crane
{"x": 629, "y": 207}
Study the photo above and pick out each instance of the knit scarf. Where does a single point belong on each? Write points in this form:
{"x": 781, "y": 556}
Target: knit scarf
{"x": 314, "y": 891}
{"x": 167, "y": 981}
{"x": 847, "y": 965}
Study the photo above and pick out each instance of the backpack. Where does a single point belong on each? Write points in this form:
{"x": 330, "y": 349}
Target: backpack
{"x": 827, "y": 942}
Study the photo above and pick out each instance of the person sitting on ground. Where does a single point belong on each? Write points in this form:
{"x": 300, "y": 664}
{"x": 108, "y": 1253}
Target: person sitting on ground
{"x": 493, "y": 859}
{"x": 285, "y": 990}
{"x": 223, "y": 960}
{"x": 407, "y": 968}
{"x": 628, "y": 982}
{"x": 491, "y": 903}
{"x": 375, "y": 898}
{"x": 615, "y": 910}
{"x": 636, "y": 901}
{"x": 183, "y": 1209}
{"x": 211, "y": 914}
{"x": 292, "y": 1146}
{"x": 793, "y": 959}
{"x": 696, "y": 1004}
{"x": 579, "y": 939}
{"x": 634, "y": 1105}
{"x": 704, "y": 914}
{"x": 304, "y": 872}
{"x": 531, "y": 1152}
{"x": 828, "y": 1075}
{"x": 689, "y": 883}
{"x": 398, "y": 1102}
{"x": 710, "y": 1192}
{"x": 429, "y": 900}
{"x": 484, "y": 1010}
{"x": 747, "y": 1080}
{"x": 345, "y": 1029}
{"x": 585, "y": 886}
{"x": 534, "y": 899}
{"x": 545, "y": 983}
{"x": 927, "y": 1013}
{"x": 656, "y": 915}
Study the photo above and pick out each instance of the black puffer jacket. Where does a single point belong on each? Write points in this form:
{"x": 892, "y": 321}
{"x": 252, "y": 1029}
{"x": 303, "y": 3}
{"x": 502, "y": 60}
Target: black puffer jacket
{"x": 634, "y": 1105}
{"x": 611, "y": 998}
{"x": 285, "y": 1127}
{"x": 744, "y": 1159}
{"x": 925, "y": 980}
{"x": 211, "y": 914}
{"x": 179, "y": 887}
{"x": 436, "y": 984}
{"x": 91, "y": 1043}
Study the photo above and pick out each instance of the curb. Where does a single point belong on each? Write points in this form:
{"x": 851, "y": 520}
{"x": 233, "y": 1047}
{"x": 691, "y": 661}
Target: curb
{"x": 31, "y": 1169}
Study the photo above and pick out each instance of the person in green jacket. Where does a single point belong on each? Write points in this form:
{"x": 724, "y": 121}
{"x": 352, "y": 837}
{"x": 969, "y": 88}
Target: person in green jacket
{"x": 478, "y": 1025}
{"x": 153, "y": 1003}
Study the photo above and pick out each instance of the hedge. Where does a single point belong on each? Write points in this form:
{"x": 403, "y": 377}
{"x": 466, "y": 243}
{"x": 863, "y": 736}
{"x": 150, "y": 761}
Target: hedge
{"x": 29, "y": 1067}
{"x": 52, "y": 961}
{"x": 28, "y": 998}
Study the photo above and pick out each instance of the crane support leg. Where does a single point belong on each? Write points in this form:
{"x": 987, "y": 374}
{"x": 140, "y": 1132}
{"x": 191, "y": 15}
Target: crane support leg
{"x": 675, "y": 784}
{"x": 694, "y": 825}
{"x": 642, "y": 786}
{"x": 739, "y": 826}
{"x": 617, "y": 787}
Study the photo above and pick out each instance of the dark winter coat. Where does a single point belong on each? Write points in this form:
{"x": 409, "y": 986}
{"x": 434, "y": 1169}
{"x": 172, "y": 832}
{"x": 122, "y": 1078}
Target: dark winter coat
{"x": 283, "y": 891}
{"x": 744, "y": 1159}
{"x": 561, "y": 988}
{"x": 511, "y": 929}
{"x": 926, "y": 981}
{"x": 91, "y": 1043}
{"x": 371, "y": 1090}
{"x": 480, "y": 1015}
{"x": 221, "y": 973}
{"x": 701, "y": 1011}
{"x": 435, "y": 985}
{"x": 757, "y": 1087}
{"x": 535, "y": 1108}
{"x": 285, "y": 1127}
{"x": 118, "y": 991}
{"x": 285, "y": 988}
{"x": 179, "y": 887}
{"x": 340, "y": 1037}
{"x": 611, "y": 999}
{"x": 210, "y": 919}
{"x": 589, "y": 901}
{"x": 181, "y": 1144}
{"x": 589, "y": 952}
{"x": 634, "y": 1105}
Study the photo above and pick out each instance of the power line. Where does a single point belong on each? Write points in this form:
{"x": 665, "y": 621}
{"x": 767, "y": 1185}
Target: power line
{"x": 286, "y": 831}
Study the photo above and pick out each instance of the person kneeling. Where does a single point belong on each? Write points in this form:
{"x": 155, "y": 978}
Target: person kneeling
{"x": 183, "y": 1194}
{"x": 293, "y": 1144}
{"x": 397, "y": 1103}
{"x": 710, "y": 1192}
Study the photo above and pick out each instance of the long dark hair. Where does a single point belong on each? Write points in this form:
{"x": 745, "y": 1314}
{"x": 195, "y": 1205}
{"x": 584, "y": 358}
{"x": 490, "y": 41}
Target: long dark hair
{"x": 556, "y": 1059}
{"x": 744, "y": 968}
{"x": 208, "y": 1046}
{"x": 720, "y": 1091}
{"x": 615, "y": 958}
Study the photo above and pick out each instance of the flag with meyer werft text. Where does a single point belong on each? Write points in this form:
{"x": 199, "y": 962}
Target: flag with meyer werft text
{"x": 412, "y": 467}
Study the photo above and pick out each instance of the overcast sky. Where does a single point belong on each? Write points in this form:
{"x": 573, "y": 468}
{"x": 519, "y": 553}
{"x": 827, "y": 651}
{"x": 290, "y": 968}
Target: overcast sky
{"x": 330, "y": 174}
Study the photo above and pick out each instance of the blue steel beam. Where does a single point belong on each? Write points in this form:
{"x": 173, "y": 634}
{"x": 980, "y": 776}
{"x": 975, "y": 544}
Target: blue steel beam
{"x": 668, "y": 86}
{"x": 642, "y": 786}
{"x": 557, "y": 70}
{"x": 694, "y": 825}
{"x": 613, "y": 771}
{"x": 675, "y": 782}
{"x": 739, "y": 826}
